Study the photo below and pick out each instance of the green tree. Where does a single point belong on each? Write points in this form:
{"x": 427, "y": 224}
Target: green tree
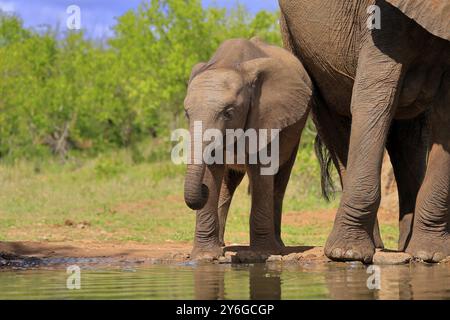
{"x": 65, "y": 91}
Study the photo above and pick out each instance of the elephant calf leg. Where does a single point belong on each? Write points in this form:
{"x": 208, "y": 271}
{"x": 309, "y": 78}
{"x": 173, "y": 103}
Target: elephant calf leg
{"x": 262, "y": 226}
{"x": 280, "y": 185}
{"x": 231, "y": 181}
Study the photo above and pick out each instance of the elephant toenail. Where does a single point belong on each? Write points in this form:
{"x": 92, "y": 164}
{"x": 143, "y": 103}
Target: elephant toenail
{"x": 337, "y": 253}
{"x": 438, "y": 256}
{"x": 349, "y": 254}
{"x": 422, "y": 255}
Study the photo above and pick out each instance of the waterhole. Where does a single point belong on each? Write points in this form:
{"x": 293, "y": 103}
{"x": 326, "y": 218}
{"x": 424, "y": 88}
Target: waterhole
{"x": 253, "y": 281}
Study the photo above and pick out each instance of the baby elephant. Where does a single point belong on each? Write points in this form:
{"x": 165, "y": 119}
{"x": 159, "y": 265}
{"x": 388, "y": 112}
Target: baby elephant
{"x": 260, "y": 96}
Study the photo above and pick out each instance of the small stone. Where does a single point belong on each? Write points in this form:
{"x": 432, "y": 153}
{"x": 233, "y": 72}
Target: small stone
{"x": 446, "y": 261}
{"x": 291, "y": 257}
{"x": 224, "y": 260}
{"x": 180, "y": 256}
{"x": 230, "y": 254}
{"x": 275, "y": 259}
{"x": 391, "y": 258}
{"x": 69, "y": 223}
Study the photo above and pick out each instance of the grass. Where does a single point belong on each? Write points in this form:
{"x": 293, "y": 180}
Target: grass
{"x": 111, "y": 198}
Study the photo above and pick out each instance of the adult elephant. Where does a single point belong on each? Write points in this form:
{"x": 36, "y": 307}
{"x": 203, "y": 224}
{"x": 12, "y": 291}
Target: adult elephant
{"x": 382, "y": 68}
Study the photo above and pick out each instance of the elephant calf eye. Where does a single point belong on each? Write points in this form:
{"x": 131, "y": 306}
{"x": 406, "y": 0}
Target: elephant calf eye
{"x": 227, "y": 114}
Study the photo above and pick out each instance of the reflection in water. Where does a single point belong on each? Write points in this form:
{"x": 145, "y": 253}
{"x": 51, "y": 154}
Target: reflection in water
{"x": 217, "y": 282}
{"x": 209, "y": 283}
{"x": 261, "y": 282}
{"x": 265, "y": 284}
{"x": 348, "y": 281}
{"x": 418, "y": 282}
{"x": 406, "y": 282}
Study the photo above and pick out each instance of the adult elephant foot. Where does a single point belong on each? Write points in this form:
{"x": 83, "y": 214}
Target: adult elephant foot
{"x": 378, "y": 242}
{"x": 377, "y": 236}
{"x": 428, "y": 248}
{"x": 280, "y": 242}
{"x": 346, "y": 244}
{"x": 271, "y": 246}
{"x": 206, "y": 253}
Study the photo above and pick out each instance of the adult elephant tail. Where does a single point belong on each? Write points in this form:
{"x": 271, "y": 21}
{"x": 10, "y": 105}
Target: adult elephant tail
{"x": 325, "y": 161}
{"x": 331, "y": 145}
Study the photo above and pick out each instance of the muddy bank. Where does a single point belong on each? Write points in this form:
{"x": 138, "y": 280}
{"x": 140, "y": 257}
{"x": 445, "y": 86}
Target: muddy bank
{"x": 41, "y": 254}
{"x": 35, "y": 254}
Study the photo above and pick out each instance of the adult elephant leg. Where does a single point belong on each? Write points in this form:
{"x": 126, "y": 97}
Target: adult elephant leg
{"x": 430, "y": 240}
{"x": 377, "y": 241}
{"x": 262, "y": 231}
{"x": 206, "y": 243}
{"x": 334, "y": 131}
{"x": 407, "y": 146}
{"x": 374, "y": 102}
{"x": 280, "y": 185}
{"x": 231, "y": 181}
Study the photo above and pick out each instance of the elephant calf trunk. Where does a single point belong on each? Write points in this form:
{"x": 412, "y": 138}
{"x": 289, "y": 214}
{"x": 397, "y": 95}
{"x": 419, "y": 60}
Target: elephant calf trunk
{"x": 195, "y": 192}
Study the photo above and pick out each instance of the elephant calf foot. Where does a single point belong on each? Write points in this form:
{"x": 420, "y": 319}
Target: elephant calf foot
{"x": 348, "y": 244}
{"x": 428, "y": 247}
{"x": 206, "y": 253}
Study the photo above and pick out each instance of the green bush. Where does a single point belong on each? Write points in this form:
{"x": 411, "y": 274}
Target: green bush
{"x": 64, "y": 93}
{"x": 109, "y": 167}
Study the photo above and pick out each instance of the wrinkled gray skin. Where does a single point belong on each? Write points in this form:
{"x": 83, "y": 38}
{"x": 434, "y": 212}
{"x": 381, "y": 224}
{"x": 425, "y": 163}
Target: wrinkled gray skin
{"x": 378, "y": 88}
{"x": 246, "y": 85}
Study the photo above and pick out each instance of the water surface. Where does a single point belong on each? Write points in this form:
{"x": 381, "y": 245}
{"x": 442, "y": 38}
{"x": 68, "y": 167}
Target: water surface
{"x": 258, "y": 281}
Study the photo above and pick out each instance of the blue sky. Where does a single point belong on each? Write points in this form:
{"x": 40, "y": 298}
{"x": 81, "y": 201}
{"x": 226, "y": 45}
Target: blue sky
{"x": 97, "y": 15}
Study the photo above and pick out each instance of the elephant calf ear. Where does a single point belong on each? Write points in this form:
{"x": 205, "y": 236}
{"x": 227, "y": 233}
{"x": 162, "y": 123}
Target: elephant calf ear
{"x": 433, "y": 15}
{"x": 281, "y": 95}
{"x": 196, "y": 70}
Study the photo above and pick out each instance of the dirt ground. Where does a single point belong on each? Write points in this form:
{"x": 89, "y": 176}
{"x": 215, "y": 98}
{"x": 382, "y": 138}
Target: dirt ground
{"x": 91, "y": 249}
{"x": 169, "y": 252}
{"x": 137, "y": 252}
